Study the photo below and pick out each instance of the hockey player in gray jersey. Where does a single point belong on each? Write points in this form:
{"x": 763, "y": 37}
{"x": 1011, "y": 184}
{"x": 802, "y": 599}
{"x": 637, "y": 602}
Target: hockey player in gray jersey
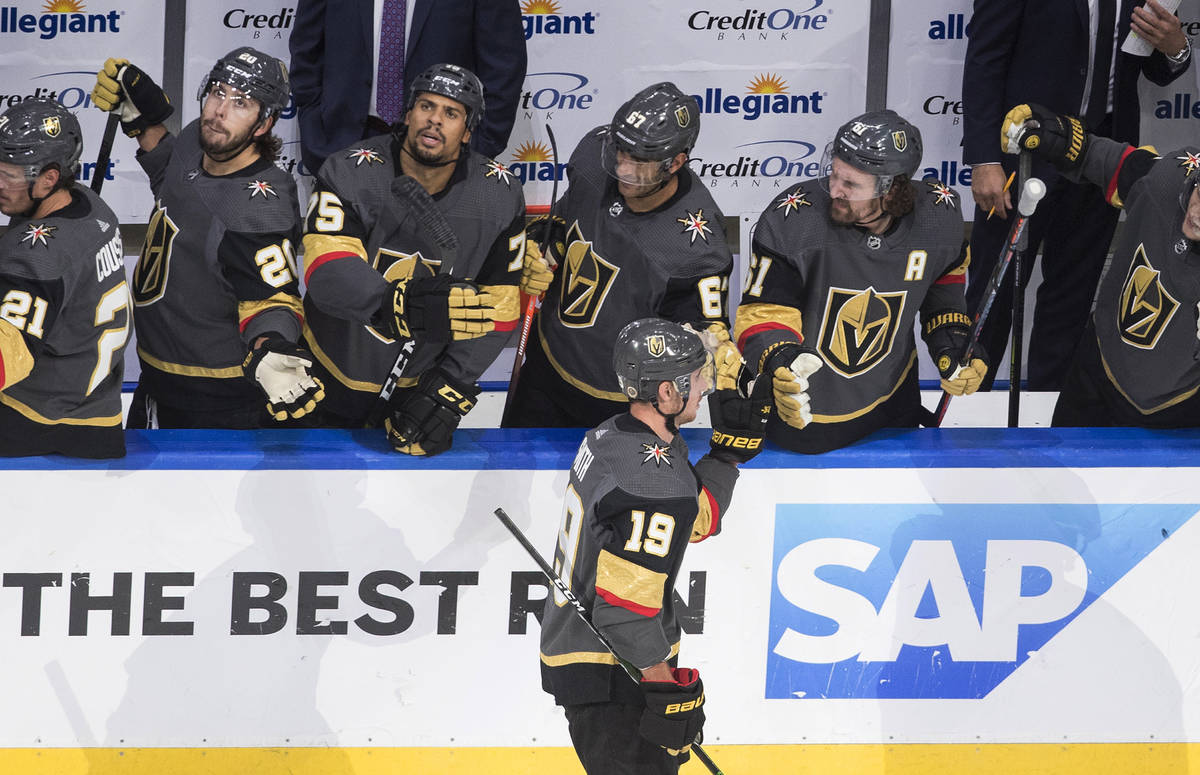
{"x": 639, "y": 235}
{"x": 215, "y": 287}
{"x": 841, "y": 266}
{"x": 633, "y": 503}
{"x": 1138, "y": 363}
{"x": 64, "y": 304}
{"x": 385, "y": 288}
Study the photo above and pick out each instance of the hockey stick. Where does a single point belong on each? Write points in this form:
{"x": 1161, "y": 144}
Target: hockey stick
{"x": 580, "y": 609}
{"x": 1018, "y": 311}
{"x": 1032, "y": 190}
{"x": 421, "y": 208}
{"x": 106, "y": 144}
{"x": 532, "y": 303}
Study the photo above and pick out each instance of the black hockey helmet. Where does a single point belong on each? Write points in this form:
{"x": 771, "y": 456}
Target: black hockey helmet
{"x": 457, "y": 83}
{"x": 38, "y": 132}
{"x": 252, "y": 72}
{"x": 880, "y": 142}
{"x": 651, "y": 351}
{"x": 655, "y": 124}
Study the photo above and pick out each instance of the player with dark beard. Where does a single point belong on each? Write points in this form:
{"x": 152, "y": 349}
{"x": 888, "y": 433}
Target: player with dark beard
{"x": 215, "y": 287}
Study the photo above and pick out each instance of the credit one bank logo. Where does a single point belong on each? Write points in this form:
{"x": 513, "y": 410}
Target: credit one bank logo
{"x": 760, "y": 24}
{"x": 944, "y": 601}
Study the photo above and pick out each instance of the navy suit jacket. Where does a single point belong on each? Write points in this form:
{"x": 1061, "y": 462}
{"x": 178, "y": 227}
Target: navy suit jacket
{"x": 333, "y": 65}
{"x": 1036, "y": 51}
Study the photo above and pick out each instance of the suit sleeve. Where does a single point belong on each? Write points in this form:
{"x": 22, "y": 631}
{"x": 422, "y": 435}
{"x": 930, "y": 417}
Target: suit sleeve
{"x": 642, "y": 540}
{"x": 307, "y": 47}
{"x": 991, "y": 40}
{"x": 261, "y": 268}
{"x": 769, "y": 314}
{"x": 500, "y": 276}
{"x": 500, "y": 63}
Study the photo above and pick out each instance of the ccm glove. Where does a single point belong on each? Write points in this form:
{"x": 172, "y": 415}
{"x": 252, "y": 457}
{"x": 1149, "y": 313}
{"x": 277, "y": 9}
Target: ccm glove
{"x": 948, "y": 334}
{"x": 425, "y": 421}
{"x": 125, "y": 90}
{"x": 790, "y": 366}
{"x": 435, "y": 309}
{"x": 739, "y": 421}
{"x": 674, "y": 714}
{"x": 1060, "y": 140}
{"x": 280, "y": 369}
{"x": 537, "y": 271}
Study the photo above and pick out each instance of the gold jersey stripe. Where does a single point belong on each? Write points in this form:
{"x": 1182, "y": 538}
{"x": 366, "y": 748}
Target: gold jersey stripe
{"x": 340, "y": 376}
{"x": 229, "y": 372}
{"x": 703, "y": 524}
{"x": 248, "y": 309}
{"x": 32, "y": 414}
{"x": 751, "y": 315}
{"x": 578, "y": 384}
{"x": 629, "y": 581}
{"x": 590, "y": 657}
{"x": 843, "y": 417}
{"x": 14, "y": 354}
{"x": 317, "y": 245}
{"x": 1171, "y": 402}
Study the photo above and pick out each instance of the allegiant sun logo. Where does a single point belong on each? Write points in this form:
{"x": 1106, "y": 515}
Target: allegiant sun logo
{"x": 533, "y": 160}
{"x": 545, "y": 17}
{"x": 58, "y": 16}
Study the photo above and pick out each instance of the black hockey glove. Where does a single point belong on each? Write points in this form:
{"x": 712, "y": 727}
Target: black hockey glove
{"x": 280, "y": 369}
{"x": 124, "y": 89}
{"x": 427, "y": 416}
{"x": 435, "y": 309}
{"x": 1060, "y": 140}
{"x": 789, "y": 366}
{"x": 947, "y": 335}
{"x": 739, "y": 422}
{"x": 674, "y": 714}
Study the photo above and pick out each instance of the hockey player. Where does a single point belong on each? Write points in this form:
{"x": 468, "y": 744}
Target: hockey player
{"x": 632, "y": 505}
{"x": 215, "y": 287}
{"x": 640, "y": 235}
{"x": 1138, "y": 363}
{"x": 64, "y": 304}
{"x": 842, "y": 265}
{"x": 366, "y": 244}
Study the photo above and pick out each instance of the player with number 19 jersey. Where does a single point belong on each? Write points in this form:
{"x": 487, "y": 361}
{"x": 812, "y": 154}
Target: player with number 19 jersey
{"x": 218, "y": 269}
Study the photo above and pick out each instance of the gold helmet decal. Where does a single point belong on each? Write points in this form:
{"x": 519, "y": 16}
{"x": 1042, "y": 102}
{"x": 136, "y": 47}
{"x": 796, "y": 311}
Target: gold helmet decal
{"x": 859, "y": 328}
{"x": 683, "y": 116}
{"x": 51, "y": 126}
{"x": 1146, "y": 306}
{"x": 656, "y": 345}
{"x": 586, "y": 284}
{"x": 900, "y": 140}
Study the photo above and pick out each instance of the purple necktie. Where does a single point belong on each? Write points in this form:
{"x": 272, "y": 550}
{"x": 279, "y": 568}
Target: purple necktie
{"x": 390, "y": 76}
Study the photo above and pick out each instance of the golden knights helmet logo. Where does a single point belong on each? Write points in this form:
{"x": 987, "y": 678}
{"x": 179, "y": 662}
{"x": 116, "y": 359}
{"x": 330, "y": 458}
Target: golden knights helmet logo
{"x": 51, "y": 126}
{"x": 859, "y": 328}
{"x": 586, "y": 282}
{"x": 1146, "y": 306}
{"x": 656, "y": 345}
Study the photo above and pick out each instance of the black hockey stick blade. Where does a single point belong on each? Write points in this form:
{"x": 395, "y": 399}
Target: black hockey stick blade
{"x": 562, "y": 587}
{"x": 106, "y": 144}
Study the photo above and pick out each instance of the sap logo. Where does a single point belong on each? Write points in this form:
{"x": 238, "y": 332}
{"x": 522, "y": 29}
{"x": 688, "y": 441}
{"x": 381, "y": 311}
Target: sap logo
{"x": 1180, "y": 106}
{"x": 543, "y": 17}
{"x": 954, "y": 27}
{"x": 951, "y": 172}
{"x": 61, "y": 17}
{"x": 533, "y": 161}
{"x": 557, "y": 91}
{"x": 947, "y": 601}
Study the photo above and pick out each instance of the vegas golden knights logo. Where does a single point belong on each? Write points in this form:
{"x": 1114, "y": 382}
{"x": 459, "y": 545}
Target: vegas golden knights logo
{"x": 656, "y": 345}
{"x": 154, "y": 264}
{"x": 586, "y": 283}
{"x": 51, "y": 126}
{"x": 900, "y": 140}
{"x": 395, "y": 265}
{"x": 1146, "y": 307}
{"x": 859, "y": 328}
{"x": 682, "y": 116}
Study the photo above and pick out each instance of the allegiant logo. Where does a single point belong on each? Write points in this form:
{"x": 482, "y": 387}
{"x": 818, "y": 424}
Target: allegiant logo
{"x": 765, "y": 94}
{"x": 544, "y": 17}
{"x": 533, "y": 161}
{"x": 59, "y": 17}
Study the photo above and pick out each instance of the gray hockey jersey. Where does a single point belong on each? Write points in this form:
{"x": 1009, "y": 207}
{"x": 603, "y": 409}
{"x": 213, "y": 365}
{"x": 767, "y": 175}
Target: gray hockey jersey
{"x": 359, "y": 237}
{"x": 1145, "y": 316}
{"x": 64, "y": 322}
{"x": 218, "y": 269}
{"x": 850, "y": 295}
{"x": 671, "y": 262}
{"x": 632, "y": 505}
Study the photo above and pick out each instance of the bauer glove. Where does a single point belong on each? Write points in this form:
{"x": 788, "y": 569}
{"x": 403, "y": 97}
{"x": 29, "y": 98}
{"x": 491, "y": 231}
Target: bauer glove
{"x": 740, "y": 406}
{"x": 127, "y": 91}
{"x": 674, "y": 714}
{"x": 790, "y": 366}
{"x": 948, "y": 334}
{"x": 424, "y": 422}
{"x": 435, "y": 309}
{"x": 1061, "y": 140}
{"x": 280, "y": 369}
